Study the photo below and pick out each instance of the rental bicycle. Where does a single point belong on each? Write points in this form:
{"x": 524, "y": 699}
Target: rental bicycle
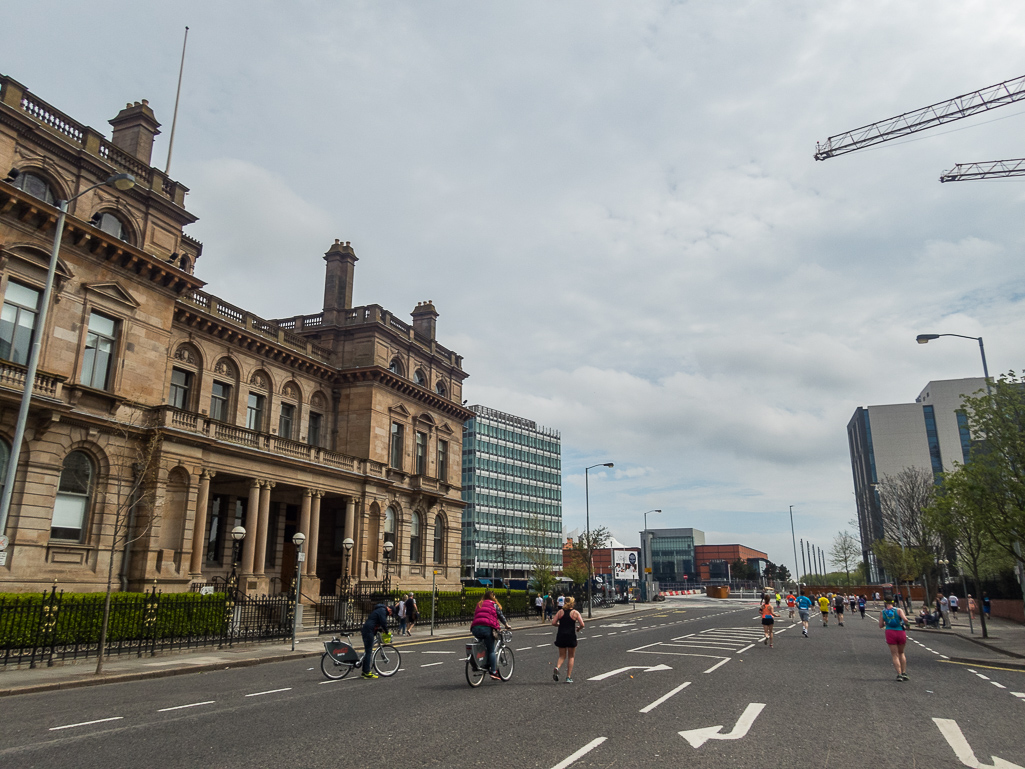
{"x": 477, "y": 659}
{"x": 341, "y": 658}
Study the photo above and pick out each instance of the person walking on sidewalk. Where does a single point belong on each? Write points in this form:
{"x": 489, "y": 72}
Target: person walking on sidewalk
{"x": 945, "y": 610}
{"x": 804, "y": 604}
{"x": 768, "y": 620}
{"x": 824, "y": 609}
{"x": 549, "y": 608}
{"x": 953, "y": 608}
{"x": 412, "y": 613}
{"x": 401, "y": 608}
{"x": 894, "y": 621}
{"x": 569, "y": 621}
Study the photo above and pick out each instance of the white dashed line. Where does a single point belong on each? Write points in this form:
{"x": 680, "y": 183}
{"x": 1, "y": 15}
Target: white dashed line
{"x": 749, "y": 646}
{"x": 270, "y": 691}
{"x": 718, "y": 664}
{"x": 193, "y": 705}
{"x": 86, "y": 723}
{"x": 432, "y": 664}
{"x": 999, "y": 686}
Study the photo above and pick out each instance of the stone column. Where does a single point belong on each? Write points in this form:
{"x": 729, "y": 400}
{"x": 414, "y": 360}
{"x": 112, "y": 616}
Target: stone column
{"x": 199, "y": 525}
{"x": 304, "y": 527}
{"x": 314, "y": 540}
{"x": 252, "y": 527}
{"x": 262, "y": 527}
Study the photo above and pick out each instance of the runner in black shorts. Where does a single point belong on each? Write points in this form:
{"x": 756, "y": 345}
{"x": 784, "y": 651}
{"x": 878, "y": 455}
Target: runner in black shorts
{"x": 838, "y": 603}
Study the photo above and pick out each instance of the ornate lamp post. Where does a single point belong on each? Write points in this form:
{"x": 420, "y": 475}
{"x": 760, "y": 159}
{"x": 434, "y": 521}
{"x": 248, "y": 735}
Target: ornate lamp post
{"x": 298, "y": 539}
{"x": 587, "y": 510}
{"x": 231, "y": 598}
{"x": 348, "y": 544}
{"x": 388, "y": 547}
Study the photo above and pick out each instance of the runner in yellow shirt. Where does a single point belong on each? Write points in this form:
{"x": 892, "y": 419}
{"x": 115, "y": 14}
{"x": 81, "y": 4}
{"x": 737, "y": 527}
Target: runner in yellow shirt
{"x": 824, "y": 608}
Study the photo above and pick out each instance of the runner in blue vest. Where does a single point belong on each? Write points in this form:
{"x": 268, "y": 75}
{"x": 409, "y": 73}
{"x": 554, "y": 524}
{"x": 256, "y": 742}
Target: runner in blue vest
{"x": 894, "y": 621}
{"x": 804, "y": 605}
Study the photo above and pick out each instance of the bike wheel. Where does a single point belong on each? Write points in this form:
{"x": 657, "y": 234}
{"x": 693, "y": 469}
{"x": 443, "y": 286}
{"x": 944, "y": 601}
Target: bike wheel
{"x": 387, "y": 660}
{"x": 506, "y": 662}
{"x": 474, "y": 675}
{"x": 334, "y": 670}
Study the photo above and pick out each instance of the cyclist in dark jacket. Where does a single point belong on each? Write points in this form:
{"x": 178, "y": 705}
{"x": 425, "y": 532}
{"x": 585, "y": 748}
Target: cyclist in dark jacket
{"x": 377, "y": 621}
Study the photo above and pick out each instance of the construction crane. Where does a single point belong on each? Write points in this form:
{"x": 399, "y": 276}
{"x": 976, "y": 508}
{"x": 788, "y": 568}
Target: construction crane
{"x": 990, "y": 169}
{"x": 922, "y": 119}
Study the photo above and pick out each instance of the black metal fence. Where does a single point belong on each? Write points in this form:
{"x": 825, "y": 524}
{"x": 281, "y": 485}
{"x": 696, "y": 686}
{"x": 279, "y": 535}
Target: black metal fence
{"x": 59, "y": 627}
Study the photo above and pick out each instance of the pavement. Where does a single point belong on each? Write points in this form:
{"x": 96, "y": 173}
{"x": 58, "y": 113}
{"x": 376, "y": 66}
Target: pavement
{"x": 73, "y": 675}
{"x": 1005, "y": 644}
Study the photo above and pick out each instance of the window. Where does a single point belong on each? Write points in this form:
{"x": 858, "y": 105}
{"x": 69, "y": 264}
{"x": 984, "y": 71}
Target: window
{"x": 99, "y": 351}
{"x": 17, "y": 322}
{"x": 443, "y": 461}
{"x": 439, "y": 388}
{"x": 395, "y": 367}
{"x": 313, "y": 435}
{"x": 72, "y": 503}
{"x": 220, "y": 402}
{"x": 439, "y": 540}
{"x": 389, "y": 528}
{"x": 111, "y": 225}
{"x": 254, "y": 411}
{"x": 421, "y": 454}
{"x": 419, "y": 378}
{"x": 414, "y": 539}
{"x": 181, "y": 389}
{"x": 396, "y": 445}
{"x": 36, "y": 186}
{"x": 286, "y": 421}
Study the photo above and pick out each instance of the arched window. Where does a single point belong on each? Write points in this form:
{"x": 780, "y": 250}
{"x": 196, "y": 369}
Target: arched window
{"x": 395, "y": 367}
{"x": 439, "y": 388}
{"x": 111, "y": 224}
{"x": 439, "y": 540}
{"x": 72, "y": 504}
{"x": 415, "y": 555}
{"x": 389, "y": 528}
{"x": 419, "y": 378}
{"x": 36, "y": 186}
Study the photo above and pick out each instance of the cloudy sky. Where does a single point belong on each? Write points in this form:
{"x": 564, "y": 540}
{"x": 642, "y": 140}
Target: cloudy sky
{"x": 614, "y": 207}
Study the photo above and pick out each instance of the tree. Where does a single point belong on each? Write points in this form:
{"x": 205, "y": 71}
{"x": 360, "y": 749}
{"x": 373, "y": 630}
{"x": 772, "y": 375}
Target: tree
{"x": 541, "y": 560}
{"x": 769, "y": 572}
{"x": 783, "y": 574}
{"x": 844, "y": 553}
{"x": 588, "y": 542}
{"x": 904, "y": 563}
{"x": 903, "y": 499}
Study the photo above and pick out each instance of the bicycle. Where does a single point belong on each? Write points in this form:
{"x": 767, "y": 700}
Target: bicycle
{"x": 340, "y": 658}
{"x": 477, "y": 659}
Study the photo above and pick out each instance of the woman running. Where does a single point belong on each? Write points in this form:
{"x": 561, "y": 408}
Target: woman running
{"x": 894, "y": 621}
{"x": 767, "y": 621}
{"x": 569, "y": 621}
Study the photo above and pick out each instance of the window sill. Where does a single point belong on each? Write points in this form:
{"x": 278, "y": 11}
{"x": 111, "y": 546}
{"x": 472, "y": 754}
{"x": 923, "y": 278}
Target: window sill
{"x": 92, "y": 396}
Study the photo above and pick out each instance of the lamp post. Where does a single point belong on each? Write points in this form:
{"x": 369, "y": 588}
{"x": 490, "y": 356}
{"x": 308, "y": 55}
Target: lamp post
{"x": 925, "y": 339}
{"x": 298, "y": 539}
{"x": 348, "y": 544}
{"x": 587, "y": 513}
{"x": 388, "y": 547}
{"x": 123, "y": 182}
{"x": 797, "y": 577}
{"x": 237, "y": 535}
{"x": 646, "y": 547}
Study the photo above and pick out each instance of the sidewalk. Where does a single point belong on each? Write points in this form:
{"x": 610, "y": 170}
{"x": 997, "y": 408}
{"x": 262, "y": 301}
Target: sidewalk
{"x": 1005, "y": 645}
{"x": 130, "y": 668}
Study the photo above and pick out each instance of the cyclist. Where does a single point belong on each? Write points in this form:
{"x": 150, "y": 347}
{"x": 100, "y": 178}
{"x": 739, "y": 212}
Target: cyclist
{"x": 487, "y": 621}
{"x": 791, "y": 603}
{"x": 376, "y": 622}
{"x": 804, "y": 604}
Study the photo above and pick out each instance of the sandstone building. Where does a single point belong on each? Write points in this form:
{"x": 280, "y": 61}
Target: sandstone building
{"x": 345, "y": 424}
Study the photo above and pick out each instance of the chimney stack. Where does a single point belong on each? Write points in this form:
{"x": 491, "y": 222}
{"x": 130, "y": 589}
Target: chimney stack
{"x": 134, "y": 129}
{"x": 425, "y": 319}
{"x": 341, "y": 263}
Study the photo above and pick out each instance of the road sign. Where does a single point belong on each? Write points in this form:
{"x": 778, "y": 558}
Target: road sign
{"x": 956, "y": 740}
{"x": 302, "y": 556}
{"x": 698, "y": 737}
{"x": 647, "y": 570}
{"x": 3, "y": 557}
{"x": 645, "y": 668}
{"x": 4, "y": 541}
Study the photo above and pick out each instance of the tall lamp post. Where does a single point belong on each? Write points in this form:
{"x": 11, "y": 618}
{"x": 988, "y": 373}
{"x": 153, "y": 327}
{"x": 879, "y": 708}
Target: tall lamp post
{"x": 388, "y": 547}
{"x": 646, "y": 546}
{"x": 926, "y": 338}
{"x": 123, "y": 182}
{"x": 348, "y": 544}
{"x": 298, "y": 539}
{"x": 237, "y": 535}
{"x": 587, "y": 512}
{"x": 797, "y": 564}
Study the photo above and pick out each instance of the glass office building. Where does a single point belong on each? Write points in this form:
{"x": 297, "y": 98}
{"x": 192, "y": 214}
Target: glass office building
{"x": 671, "y": 553}
{"x": 512, "y": 487}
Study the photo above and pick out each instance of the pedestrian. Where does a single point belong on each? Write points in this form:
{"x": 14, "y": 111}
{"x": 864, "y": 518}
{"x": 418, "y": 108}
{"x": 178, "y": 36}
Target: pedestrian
{"x": 953, "y": 608}
{"x": 894, "y": 621}
{"x": 487, "y": 622}
{"x": 945, "y": 611}
{"x": 376, "y": 623}
{"x": 401, "y": 607}
{"x": 539, "y": 604}
{"x": 838, "y": 606}
{"x": 768, "y": 620}
{"x": 985, "y": 603}
{"x": 861, "y": 605}
{"x": 412, "y": 613}
{"x": 561, "y": 602}
{"x": 791, "y": 603}
{"x": 824, "y": 610}
{"x": 804, "y": 604}
{"x": 549, "y": 608}
{"x": 973, "y": 609}
{"x": 569, "y": 621}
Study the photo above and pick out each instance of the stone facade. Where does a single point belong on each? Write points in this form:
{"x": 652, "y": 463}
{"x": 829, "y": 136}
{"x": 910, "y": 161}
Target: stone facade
{"x": 164, "y": 416}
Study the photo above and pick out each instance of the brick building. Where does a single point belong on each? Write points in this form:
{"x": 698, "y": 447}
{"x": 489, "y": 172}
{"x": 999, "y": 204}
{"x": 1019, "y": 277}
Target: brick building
{"x": 712, "y": 560}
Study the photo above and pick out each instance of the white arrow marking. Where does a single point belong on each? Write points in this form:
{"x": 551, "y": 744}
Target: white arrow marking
{"x": 698, "y": 737}
{"x": 952, "y": 734}
{"x": 645, "y": 668}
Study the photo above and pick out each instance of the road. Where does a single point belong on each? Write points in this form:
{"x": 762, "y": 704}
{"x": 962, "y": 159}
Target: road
{"x": 686, "y": 685}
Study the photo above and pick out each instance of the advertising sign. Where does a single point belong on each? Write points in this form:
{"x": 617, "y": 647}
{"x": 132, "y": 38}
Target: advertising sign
{"x": 626, "y": 564}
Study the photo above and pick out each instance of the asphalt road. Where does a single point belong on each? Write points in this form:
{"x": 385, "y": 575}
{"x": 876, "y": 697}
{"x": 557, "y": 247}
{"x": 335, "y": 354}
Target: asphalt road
{"x": 641, "y": 680}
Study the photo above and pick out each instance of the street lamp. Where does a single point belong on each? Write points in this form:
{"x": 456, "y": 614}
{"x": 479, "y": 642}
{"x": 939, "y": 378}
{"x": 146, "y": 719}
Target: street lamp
{"x": 797, "y": 577}
{"x": 121, "y": 182}
{"x": 647, "y": 555}
{"x": 348, "y": 544}
{"x": 388, "y": 547}
{"x": 231, "y": 597}
{"x": 298, "y": 539}
{"x": 925, "y": 339}
{"x": 587, "y": 512}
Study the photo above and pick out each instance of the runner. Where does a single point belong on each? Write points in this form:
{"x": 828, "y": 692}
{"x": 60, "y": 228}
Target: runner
{"x": 791, "y": 603}
{"x": 777, "y": 600}
{"x": 853, "y": 601}
{"x": 804, "y": 604}
{"x": 768, "y": 620}
{"x": 861, "y": 605}
{"x": 894, "y": 621}
{"x": 838, "y": 606}
{"x": 824, "y": 608}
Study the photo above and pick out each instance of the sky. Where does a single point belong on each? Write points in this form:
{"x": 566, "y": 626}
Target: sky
{"x": 614, "y": 207}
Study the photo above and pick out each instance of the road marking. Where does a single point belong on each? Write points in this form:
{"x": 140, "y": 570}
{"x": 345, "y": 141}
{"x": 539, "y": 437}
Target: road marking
{"x": 597, "y": 635}
{"x": 193, "y": 705}
{"x": 749, "y": 646}
{"x": 270, "y": 691}
{"x": 956, "y": 740}
{"x": 999, "y": 686}
{"x": 430, "y": 652}
{"x": 664, "y": 697}
{"x": 523, "y": 648}
{"x": 86, "y": 723}
{"x": 984, "y": 678}
{"x": 432, "y": 664}
{"x": 986, "y": 667}
{"x": 645, "y": 668}
{"x": 1019, "y": 694}
{"x": 580, "y": 753}
{"x": 698, "y": 737}
{"x": 718, "y": 664}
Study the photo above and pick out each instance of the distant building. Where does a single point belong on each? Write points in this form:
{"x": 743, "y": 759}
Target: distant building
{"x": 671, "y": 553}
{"x": 715, "y": 562}
{"x": 931, "y": 433}
{"x": 512, "y": 489}
{"x": 601, "y": 565}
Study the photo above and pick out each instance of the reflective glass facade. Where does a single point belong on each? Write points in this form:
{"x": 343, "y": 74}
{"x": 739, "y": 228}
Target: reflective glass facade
{"x": 512, "y": 487}
{"x": 672, "y": 554}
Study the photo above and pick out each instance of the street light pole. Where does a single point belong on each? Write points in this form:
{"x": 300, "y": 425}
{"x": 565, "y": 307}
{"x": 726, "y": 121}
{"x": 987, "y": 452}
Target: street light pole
{"x": 587, "y": 513}
{"x": 123, "y": 182}
{"x": 646, "y": 547}
{"x": 298, "y": 539}
{"x": 792, "y": 537}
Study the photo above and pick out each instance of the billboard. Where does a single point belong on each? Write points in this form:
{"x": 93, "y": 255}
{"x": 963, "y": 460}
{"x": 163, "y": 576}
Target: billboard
{"x": 626, "y": 564}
